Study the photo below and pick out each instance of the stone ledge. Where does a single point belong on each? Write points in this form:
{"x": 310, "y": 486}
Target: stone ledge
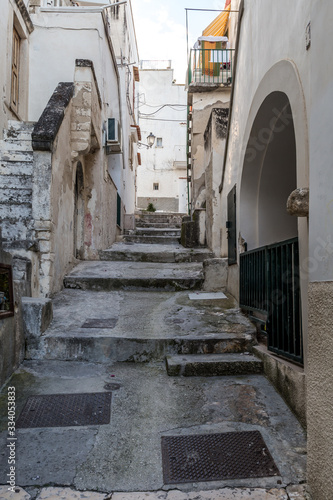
{"x": 47, "y": 127}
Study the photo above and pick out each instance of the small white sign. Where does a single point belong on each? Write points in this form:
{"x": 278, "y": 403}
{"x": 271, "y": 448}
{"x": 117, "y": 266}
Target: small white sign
{"x": 207, "y": 296}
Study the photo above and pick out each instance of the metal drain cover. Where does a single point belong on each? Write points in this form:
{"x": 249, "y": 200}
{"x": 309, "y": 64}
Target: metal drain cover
{"x": 63, "y": 410}
{"x": 100, "y": 323}
{"x": 215, "y": 457}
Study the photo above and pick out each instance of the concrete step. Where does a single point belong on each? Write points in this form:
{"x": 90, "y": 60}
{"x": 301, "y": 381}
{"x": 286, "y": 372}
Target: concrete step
{"x": 139, "y": 326}
{"x": 140, "y": 252}
{"x": 153, "y": 231}
{"x": 15, "y": 195}
{"x": 106, "y": 276}
{"x": 169, "y": 218}
{"x": 16, "y": 156}
{"x": 16, "y": 145}
{"x": 16, "y": 168}
{"x": 97, "y": 347}
{"x": 15, "y": 210}
{"x": 19, "y": 130}
{"x": 150, "y": 240}
{"x": 211, "y": 365}
{"x": 16, "y": 182}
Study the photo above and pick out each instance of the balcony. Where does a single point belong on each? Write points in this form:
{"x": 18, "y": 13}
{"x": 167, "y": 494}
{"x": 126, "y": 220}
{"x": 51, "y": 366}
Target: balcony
{"x": 210, "y": 69}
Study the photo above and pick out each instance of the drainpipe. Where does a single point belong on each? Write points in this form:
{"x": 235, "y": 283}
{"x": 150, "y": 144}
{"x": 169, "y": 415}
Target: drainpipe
{"x": 241, "y": 12}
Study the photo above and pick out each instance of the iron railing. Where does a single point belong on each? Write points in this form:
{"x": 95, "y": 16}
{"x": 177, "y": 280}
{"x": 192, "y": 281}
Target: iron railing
{"x": 270, "y": 284}
{"x": 211, "y": 66}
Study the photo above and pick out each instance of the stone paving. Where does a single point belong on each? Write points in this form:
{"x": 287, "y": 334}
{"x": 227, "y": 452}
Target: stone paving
{"x": 290, "y": 493}
{"x": 125, "y": 455}
{"x": 122, "y": 459}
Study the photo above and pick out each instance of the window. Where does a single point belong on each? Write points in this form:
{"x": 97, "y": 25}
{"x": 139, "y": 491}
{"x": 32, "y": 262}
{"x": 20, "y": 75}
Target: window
{"x": 155, "y": 186}
{"x": 159, "y": 142}
{"x": 15, "y": 70}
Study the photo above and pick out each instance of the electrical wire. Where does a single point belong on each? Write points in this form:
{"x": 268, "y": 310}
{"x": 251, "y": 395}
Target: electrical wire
{"x": 154, "y": 113}
{"x": 161, "y": 119}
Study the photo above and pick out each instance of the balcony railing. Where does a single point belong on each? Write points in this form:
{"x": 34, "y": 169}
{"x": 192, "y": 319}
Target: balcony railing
{"x": 211, "y": 66}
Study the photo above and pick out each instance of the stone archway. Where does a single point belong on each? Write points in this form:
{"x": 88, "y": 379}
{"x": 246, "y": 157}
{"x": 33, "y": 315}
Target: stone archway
{"x": 269, "y": 175}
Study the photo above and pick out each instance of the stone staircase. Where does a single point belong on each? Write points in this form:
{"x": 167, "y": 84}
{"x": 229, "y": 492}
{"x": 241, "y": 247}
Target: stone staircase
{"x": 155, "y": 239}
{"x": 164, "y": 231}
{"x": 16, "y": 171}
{"x": 127, "y": 309}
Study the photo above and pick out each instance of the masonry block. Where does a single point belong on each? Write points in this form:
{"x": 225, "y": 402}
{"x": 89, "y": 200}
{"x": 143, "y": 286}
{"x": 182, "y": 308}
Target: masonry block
{"x": 189, "y": 234}
{"x": 215, "y": 274}
{"x": 37, "y": 316}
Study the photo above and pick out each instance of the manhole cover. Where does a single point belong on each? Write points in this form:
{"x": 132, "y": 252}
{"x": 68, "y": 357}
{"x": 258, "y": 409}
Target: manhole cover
{"x": 215, "y": 457}
{"x": 100, "y": 323}
{"x": 63, "y": 410}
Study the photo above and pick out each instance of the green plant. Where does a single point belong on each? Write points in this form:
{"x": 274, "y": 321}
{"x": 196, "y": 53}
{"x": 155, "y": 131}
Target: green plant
{"x": 151, "y": 208}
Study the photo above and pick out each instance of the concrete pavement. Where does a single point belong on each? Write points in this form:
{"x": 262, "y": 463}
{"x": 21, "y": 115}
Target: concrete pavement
{"x": 125, "y": 455}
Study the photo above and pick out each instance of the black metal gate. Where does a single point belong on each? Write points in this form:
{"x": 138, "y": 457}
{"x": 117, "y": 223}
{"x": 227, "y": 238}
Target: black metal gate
{"x": 118, "y": 210}
{"x": 270, "y": 284}
{"x": 231, "y": 227}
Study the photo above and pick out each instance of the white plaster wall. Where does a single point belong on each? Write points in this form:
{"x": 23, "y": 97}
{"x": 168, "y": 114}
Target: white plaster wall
{"x": 126, "y": 52}
{"x": 321, "y": 145}
{"x": 82, "y": 36}
{"x": 59, "y": 39}
{"x": 158, "y": 163}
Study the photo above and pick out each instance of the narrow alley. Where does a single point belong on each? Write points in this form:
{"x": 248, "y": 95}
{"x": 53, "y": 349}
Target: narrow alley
{"x": 156, "y": 394}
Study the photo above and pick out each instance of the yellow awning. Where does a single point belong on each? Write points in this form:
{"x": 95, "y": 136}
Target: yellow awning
{"x": 218, "y": 27}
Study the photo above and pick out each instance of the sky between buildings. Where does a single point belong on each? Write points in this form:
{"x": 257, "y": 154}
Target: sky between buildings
{"x": 161, "y": 29}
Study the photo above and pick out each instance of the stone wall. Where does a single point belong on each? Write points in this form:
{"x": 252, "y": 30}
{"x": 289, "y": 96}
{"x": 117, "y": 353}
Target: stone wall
{"x": 214, "y": 140}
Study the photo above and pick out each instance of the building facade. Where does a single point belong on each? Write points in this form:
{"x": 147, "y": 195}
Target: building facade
{"x": 162, "y": 178}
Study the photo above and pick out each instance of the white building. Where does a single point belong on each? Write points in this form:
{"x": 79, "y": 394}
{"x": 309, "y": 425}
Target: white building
{"x": 162, "y": 177}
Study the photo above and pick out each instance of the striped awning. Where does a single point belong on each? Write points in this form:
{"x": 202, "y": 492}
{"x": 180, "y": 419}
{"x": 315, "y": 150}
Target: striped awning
{"x": 218, "y": 27}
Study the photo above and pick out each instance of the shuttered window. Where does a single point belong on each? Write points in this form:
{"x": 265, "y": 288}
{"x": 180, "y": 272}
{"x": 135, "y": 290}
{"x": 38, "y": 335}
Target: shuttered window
{"x": 15, "y": 71}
